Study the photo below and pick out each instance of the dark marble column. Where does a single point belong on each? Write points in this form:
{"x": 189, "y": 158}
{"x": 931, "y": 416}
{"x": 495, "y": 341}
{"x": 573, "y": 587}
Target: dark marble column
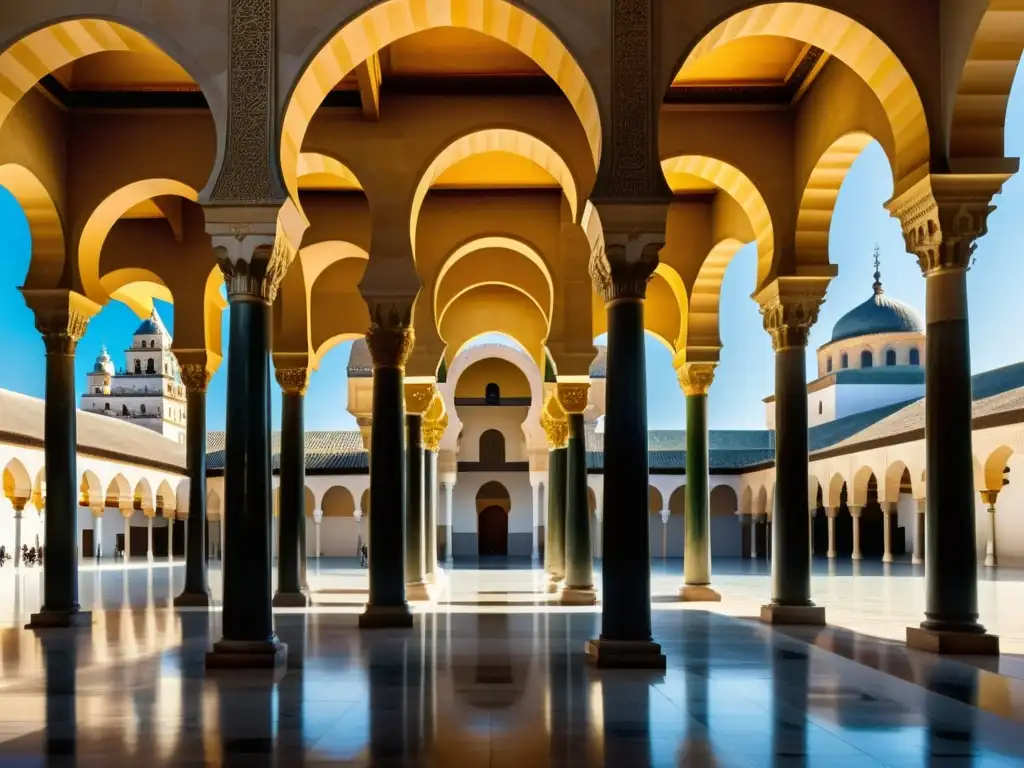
{"x": 790, "y": 308}
{"x": 292, "y": 506}
{"x": 556, "y": 427}
{"x": 390, "y": 342}
{"x": 579, "y": 552}
{"x": 625, "y": 639}
{"x": 248, "y": 622}
{"x": 196, "y": 593}
{"x": 415, "y": 556}
{"x": 696, "y": 379}
{"x": 62, "y": 328}
{"x": 919, "y": 525}
{"x": 433, "y": 431}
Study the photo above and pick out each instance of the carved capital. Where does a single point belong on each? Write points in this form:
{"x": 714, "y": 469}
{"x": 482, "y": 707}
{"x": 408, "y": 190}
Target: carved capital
{"x": 789, "y": 307}
{"x": 943, "y": 215}
{"x": 623, "y": 260}
{"x": 989, "y": 498}
{"x": 555, "y": 423}
{"x": 61, "y": 317}
{"x": 418, "y": 397}
{"x": 293, "y": 381}
{"x": 195, "y": 376}
{"x": 696, "y": 378}
{"x": 573, "y": 396}
{"x": 253, "y": 265}
{"x": 390, "y": 337}
{"x": 433, "y": 431}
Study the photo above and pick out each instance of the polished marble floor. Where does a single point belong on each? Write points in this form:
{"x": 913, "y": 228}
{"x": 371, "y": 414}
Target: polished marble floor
{"x": 494, "y": 676}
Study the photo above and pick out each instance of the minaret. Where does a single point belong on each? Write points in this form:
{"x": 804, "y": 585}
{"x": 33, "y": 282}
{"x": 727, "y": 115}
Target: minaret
{"x": 878, "y": 274}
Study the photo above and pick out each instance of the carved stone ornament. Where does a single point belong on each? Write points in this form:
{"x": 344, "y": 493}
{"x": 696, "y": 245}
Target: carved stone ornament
{"x": 624, "y": 265}
{"x": 390, "y": 337}
{"x": 573, "y": 397}
{"x": 293, "y": 381}
{"x": 433, "y": 430}
{"x": 555, "y": 424}
{"x": 62, "y": 328}
{"x": 418, "y": 397}
{"x": 942, "y": 216}
{"x": 195, "y": 377}
{"x": 259, "y": 276}
{"x": 696, "y": 378}
{"x": 789, "y": 307}
{"x": 248, "y": 173}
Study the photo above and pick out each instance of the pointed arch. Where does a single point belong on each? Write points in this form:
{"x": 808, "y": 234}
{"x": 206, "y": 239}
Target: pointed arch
{"x": 17, "y": 484}
{"x": 45, "y": 226}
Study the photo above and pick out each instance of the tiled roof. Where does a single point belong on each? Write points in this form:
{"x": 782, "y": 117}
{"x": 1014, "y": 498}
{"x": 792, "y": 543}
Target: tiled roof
{"x": 326, "y": 451}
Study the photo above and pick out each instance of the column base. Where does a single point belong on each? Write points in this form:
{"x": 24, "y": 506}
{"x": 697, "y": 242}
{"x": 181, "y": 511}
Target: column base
{"x": 59, "y": 619}
{"x": 385, "y": 617}
{"x": 247, "y": 654}
{"x": 417, "y": 591}
{"x": 953, "y": 643}
{"x": 915, "y": 560}
{"x": 693, "y": 593}
{"x": 886, "y": 558}
{"x": 578, "y": 596}
{"x": 625, "y": 654}
{"x": 193, "y": 600}
{"x": 805, "y": 615}
{"x": 554, "y": 584}
{"x": 291, "y": 600}
{"x": 855, "y": 556}
{"x": 831, "y": 555}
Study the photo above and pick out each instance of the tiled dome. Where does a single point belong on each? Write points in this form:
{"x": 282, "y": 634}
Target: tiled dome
{"x": 879, "y": 314}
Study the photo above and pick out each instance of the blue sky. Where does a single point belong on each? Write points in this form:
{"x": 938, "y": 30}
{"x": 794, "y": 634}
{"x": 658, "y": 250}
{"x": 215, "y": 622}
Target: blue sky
{"x": 745, "y": 374}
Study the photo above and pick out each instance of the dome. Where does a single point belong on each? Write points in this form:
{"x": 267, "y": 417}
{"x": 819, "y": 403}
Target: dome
{"x": 151, "y": 326}
{"x": 879, "y": 314}
{"x": 103, "y": 363}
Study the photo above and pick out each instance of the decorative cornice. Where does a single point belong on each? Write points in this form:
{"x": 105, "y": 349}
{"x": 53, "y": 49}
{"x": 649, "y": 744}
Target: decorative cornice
{"x": 555, "y": 423}
{"x": 293, "y": 381}
{"x": 696, "y": 378}
{"x": 195, "y": 376}
{"x": 390, "y": 337}
{"x": 573, "y": 396}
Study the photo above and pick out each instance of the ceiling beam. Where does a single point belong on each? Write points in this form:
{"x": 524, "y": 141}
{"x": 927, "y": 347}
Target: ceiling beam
{"x": 369, "y": 78}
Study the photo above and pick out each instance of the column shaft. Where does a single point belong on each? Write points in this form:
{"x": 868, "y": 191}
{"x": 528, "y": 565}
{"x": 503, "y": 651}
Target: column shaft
{"x": 831, "y": 533}
{"x": 247, "y": 481}
{"x": 887, "y": 532}
{"x": 697, "y": 554}
{"x": 292, "y": 504}
{"x": 60, "y": 576}
{"x": 445, "y": 536}
{"x": 555, "y": 546}
{"x": 414, "y": 534}
{"x": 856, "y": 512}
{"x": 430, "y": 512}
{"x": 579, "y": 558}
{"x": 791, "y": 562}
{"x": 625, "y": 566}
{"x": 919, "y": 532}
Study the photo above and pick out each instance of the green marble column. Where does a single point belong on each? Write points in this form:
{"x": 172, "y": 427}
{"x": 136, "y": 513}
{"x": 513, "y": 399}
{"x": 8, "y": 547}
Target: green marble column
{"x": 579, "y": 552}
{"x": 196, "y": 593}
{"x": 415, "y": 559}
{"x": 292, "y": 505}
{"x": 790, "y": 308}
{"x": 696, "y": 379}
{"x": 248, "y": 623}
{"x": 430, "y": 512}
{"x": 626, "y": 639}
{"x": 389, "y": 345}
{"x": 556, "y": 427}
{"x": 61, "y": 332}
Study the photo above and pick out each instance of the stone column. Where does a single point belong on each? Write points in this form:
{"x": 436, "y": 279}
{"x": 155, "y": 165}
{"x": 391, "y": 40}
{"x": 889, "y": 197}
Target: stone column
{"x": 942, "y": 216}
{"x": 294, "y": 379}
{"x": 696, "y": 379}
{"x": 127, "y": 515}
{"x": 318, "y": 517}
{"x": 196, "y": 378}
{"x": 446, "y": 521}
{"x": 390, "y": 339}
{"x": 434, "y": 426}
{"x": 830, "y": 513}
{"x": 97, "y": 531}
{"x": 790, "y": 307}
{"x": 556, "y": 429}
{"x": 855, "y": 512}
{"x": 19, "y": 512}
{"x": 417, "y": 401}
{"x": 664, "y": 514}
{"x": 989, "y": 498}
{"x": 149, "y": 514}
{"x": 170, "y": 537}
{"x": 579, "y": 543}
{"x": 755, "y": 520}
{"x": 61, "y": 317}
{"x": 535, "y": 489}
{"x": 888, "y": 510}
{"x": 253, "y": 262}
{"x": 634, "y": 234}
{"x": 919, "y": 523}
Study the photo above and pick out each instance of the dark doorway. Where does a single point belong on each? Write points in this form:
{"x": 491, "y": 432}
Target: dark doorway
{"x": 493, "y": 536}
{"x": 88, "y": 547}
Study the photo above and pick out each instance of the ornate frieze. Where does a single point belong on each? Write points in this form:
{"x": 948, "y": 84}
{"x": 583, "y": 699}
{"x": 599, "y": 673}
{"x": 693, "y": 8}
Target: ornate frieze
{"x": 696, "y": 378}
{"x": 195, "y": 376}
{"x": 555, "y": 423}
{"x": 293, "y": 381}
{"x": 390, "y": 337}
{"x": 573, "y": 396}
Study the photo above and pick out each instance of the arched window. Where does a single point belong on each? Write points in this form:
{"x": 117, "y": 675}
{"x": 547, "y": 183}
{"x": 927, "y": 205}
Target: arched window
{"x": 138, "y": 366}
{"x": 915, "y": 356}
{"x": 828, "y": 365}
{"x": 142, "y": 408}
{"x": 890, "y": 357}
{"x": 106, "y": 406}
{"x": 492, "y": 447}
{"x": 492, "y": 394}
{"x": 866, "y": 359}
{"x": 846, "y": 360}
{"x": 150, "y": 366}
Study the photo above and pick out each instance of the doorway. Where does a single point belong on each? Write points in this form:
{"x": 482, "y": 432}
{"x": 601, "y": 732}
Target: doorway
{"x": 493, "y": 532}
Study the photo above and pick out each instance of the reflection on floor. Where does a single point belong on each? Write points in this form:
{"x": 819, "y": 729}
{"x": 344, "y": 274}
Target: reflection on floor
{"x": 495, "y": 676}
